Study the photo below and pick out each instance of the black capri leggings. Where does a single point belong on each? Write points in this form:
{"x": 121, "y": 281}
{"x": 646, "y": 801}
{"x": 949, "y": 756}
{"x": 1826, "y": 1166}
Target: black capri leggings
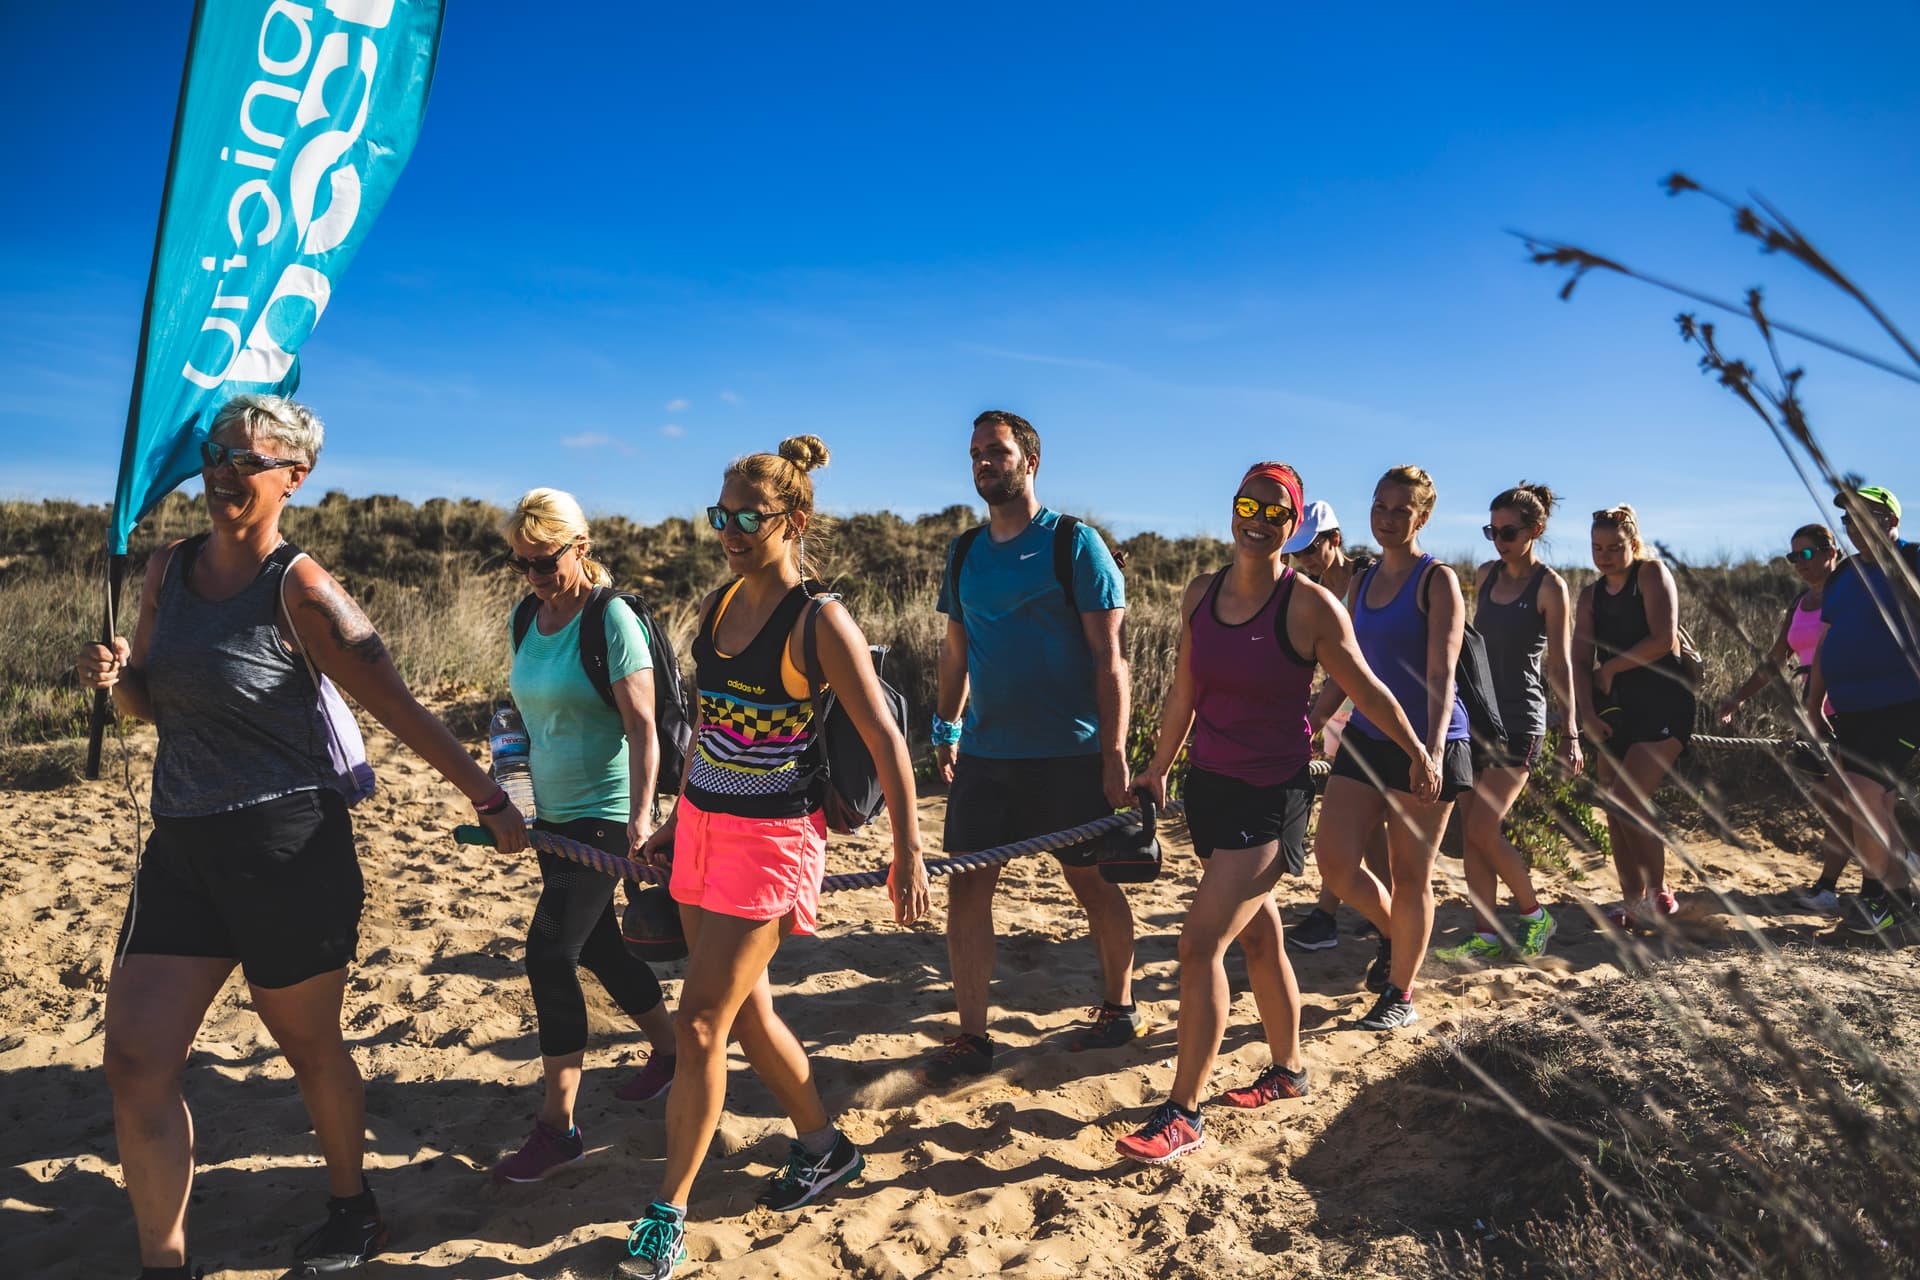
{"x": 574, "y": 926}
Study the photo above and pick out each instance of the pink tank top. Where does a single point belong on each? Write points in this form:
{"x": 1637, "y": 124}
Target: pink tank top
{"x": 1251, "y": 692}
{"x": 1803, "y": 633}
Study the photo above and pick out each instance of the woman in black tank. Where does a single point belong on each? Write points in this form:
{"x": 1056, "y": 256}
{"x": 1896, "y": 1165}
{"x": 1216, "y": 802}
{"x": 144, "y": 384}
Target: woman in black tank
{"x": 747, "y": 841}
{"x": 1528, "y": 635}
{"x": 251, "y": 860}
{"x": 1637, "y": 706}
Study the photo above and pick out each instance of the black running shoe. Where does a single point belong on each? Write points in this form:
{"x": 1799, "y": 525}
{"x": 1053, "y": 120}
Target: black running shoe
{"x": 1377, "y": 972}
{"x": 806, "y": 1175}
{"x": 1109, "y": 1029}
{"x": 350, "y": 1235}
{"x": 961, "y": 1058}
{"x": 1318, "y": 932}
{"x": 1393, "y": 1010}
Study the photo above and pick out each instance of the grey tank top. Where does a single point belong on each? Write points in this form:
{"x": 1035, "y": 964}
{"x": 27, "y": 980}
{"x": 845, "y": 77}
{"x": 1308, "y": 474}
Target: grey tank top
{"x": 1516, "y": 637}
{"x": 238, "y": 715}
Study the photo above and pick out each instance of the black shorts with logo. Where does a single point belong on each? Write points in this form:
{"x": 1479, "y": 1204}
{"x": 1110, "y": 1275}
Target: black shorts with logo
{"x": 275, "y": 885}
{"x": 996, "y": 802}
{"x": 1383, "y": 766}
{"x": 1878, "y": 744}
{"x": 1226, "y": 813}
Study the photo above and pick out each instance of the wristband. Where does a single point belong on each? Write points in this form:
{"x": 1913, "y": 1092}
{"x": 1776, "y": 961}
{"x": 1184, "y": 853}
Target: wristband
{"x": 496, "y": 803}
{"x": 945, "y": 733}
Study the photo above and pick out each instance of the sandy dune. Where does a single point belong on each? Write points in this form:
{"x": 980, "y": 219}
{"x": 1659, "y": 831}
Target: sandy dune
{"x": 1015, "y": 1173}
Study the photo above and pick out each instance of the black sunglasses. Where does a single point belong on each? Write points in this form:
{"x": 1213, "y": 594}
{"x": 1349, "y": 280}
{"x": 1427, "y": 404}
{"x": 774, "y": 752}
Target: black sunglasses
{"x": 1800, "y": 555}
{"x": 245, "y": 461}
{"x": 1273, "y": 513}
{"x": 743, "y": 520}
{"x": 1503, "y": 532}
{"x": 542, "y": 565}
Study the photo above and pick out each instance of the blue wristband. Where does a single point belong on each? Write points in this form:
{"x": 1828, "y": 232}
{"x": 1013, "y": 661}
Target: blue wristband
{"x": 945, "y": 733}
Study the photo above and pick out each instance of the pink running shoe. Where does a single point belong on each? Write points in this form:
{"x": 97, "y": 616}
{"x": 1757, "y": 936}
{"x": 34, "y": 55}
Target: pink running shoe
{"x": 653, "y": 1081}
{"x": 546, "y": 1151}
{"x": 1167, "y": 1135}
{"x": 1665, "y": 904}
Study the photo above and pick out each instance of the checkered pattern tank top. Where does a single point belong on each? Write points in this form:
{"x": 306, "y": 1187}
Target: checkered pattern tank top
{"x": 755, "y": 755}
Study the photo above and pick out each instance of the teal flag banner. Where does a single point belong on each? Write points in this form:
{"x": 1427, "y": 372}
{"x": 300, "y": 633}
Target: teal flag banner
{"x": 293, "y": 125}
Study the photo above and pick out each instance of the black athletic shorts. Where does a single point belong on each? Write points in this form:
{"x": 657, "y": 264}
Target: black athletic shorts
{"x": 996, "y": 802}
{"x": 1383, "y": 766}
{"x": 1519, "y": 751}
{"x": 275, "y": 886}
{"x": 1878, "y": 744}
{"x": 1645, "y": 706}
{"x": 1226, "y": 813}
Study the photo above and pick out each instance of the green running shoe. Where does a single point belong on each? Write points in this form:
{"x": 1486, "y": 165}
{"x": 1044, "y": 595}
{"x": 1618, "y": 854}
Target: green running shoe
{"x": 1475, "y": 948}
{"x": 1535, "y": 933}
{"x": 656, "y": 1244}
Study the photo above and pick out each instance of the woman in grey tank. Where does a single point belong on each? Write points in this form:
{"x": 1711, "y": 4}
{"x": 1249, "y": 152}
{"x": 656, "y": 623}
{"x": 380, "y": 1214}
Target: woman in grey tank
{"x": 251, "y": 861}
{"x": 1523, "y": 612}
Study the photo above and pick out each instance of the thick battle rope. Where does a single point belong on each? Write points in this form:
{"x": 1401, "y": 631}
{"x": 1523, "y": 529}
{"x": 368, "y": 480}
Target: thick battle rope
{"x": 627, "y": 869}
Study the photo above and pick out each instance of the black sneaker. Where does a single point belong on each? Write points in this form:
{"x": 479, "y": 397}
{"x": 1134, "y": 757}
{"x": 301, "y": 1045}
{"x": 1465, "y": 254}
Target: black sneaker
{"x": 1110, "y": 1029}
{"x": 1318, "y": 932}
{"x": 1393, "y": 1010}
{"x": 961, "y": 1058}
{"x": 1874, "y": 915}
{"x": 806, "y": 1175}
{"x": 352, "y": 1233}
{"x": 1377, "y": 972}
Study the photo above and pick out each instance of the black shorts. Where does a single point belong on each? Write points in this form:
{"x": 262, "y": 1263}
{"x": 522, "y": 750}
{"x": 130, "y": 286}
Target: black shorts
{"x": 1645, "y": 706}
{"x": 996, "y": 802}
{"x": 1878, "y": 744}
{"x": 1383, "y": 766}
{"x": 275, "y": 886}
{"x": 1226, "y": 813}
{"x": 1519, "y": 751}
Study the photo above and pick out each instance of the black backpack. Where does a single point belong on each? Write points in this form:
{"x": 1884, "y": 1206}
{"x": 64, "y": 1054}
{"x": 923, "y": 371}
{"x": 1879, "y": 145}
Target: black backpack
{"x": 1063, "y": 534}
{"x": 853, "y": 794}
{"x": 672, "y": 720}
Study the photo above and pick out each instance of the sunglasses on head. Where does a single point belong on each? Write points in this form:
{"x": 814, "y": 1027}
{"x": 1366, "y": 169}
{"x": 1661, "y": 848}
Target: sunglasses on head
{"x": 542, "y": 565}
{"x": 1503, "y": 532}
{"x": 1274, "y": 513}
{"x": 245, "y": 461}
{"x": 744, "y": 520}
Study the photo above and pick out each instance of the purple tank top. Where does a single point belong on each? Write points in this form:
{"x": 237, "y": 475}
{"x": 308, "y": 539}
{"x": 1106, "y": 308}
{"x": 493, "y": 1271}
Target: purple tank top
{"x": 1393, "y": 640}
{"x": 1251, "y": 692}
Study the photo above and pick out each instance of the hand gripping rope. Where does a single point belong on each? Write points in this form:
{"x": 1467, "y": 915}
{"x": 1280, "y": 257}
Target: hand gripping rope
{"x": 626, "y": 868}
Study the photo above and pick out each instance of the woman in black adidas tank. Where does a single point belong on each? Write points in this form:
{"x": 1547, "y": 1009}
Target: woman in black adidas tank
{"x": 251, "y": 860}
{"x": 747, "y": 840}
{"x": 595, "y": 766}
{"x": 1637, "y": 705}
{"x": 1523, "y": 613}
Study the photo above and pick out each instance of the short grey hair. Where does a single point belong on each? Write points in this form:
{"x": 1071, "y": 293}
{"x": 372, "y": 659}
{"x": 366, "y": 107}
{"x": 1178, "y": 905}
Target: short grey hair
{"x": 286, "y": 422}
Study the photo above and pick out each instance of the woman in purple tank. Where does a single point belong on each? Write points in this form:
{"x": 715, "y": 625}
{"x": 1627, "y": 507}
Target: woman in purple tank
{"x": 1409, "y": 618}
{"x": 1243, "y": 685}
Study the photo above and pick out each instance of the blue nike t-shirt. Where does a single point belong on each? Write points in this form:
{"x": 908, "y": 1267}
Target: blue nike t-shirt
{"x": 1868, "y": 664}
{"x": 1029, "y": 671}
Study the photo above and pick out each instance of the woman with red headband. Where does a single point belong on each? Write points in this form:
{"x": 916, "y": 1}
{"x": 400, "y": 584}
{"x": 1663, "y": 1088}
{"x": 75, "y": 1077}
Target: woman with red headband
{"x": 1242, "y": 684}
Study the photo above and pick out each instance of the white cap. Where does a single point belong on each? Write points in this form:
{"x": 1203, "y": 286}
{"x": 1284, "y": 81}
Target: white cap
{"x": 1318, "y": 519}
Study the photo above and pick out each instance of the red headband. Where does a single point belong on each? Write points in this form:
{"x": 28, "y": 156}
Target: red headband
{"x": 1285, "y": 477}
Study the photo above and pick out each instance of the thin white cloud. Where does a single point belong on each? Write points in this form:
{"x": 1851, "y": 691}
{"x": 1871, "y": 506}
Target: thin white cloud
{"x": 730, "y": 397}
{"x": 587, "y": 440}
{"x": 673, "y": 431}
{"x": 679, "y": 404}
{"x": 1034, "y": 357}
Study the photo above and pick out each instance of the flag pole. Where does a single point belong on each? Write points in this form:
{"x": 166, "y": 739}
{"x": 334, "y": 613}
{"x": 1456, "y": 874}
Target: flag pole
{"x": 117, "y": 560}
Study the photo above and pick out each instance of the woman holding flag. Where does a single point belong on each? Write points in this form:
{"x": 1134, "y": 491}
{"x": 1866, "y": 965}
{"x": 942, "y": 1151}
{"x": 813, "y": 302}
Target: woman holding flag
{"x": 251, "y": 861}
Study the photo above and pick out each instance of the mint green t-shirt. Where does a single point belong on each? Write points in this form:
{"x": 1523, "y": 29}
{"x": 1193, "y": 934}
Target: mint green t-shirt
{"x": 578, "y": 747}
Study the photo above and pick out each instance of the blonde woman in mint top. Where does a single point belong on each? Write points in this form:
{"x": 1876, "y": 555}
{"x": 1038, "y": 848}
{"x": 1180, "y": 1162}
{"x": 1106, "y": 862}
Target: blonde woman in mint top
{"x": 1243, "y": 683}
{"x": 594, "y": 777}
{"x": 251, "y": 862}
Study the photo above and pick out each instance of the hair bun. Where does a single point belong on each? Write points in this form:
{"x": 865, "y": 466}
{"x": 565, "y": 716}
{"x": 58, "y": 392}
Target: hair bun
{"x": 809, "y": 453}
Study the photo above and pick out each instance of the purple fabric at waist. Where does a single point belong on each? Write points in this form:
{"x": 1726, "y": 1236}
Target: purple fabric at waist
{"x": 1393, "y": 639}
{"x": 1251, "y": 693}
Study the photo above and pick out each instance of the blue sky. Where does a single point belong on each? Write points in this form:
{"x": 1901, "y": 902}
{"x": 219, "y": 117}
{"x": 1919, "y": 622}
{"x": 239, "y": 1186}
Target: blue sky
{"x": 638, "y": 241}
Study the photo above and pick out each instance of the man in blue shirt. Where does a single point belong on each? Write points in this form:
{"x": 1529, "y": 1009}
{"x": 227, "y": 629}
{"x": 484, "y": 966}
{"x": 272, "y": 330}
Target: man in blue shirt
{"x": 1868, "y": 667}
{"x": 1033, "y": 654}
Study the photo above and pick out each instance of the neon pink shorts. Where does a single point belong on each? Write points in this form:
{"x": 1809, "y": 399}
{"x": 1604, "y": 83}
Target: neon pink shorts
{"x": 751, "y": 868}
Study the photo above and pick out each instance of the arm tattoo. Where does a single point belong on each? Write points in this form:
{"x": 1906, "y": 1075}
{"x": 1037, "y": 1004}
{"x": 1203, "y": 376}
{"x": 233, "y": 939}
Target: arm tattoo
{"x": 351, "y": 631}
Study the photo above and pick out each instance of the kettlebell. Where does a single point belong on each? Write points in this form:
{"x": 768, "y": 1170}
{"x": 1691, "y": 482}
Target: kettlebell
{"x": 1133, "y": 851}
{"x": 650, "y": 925}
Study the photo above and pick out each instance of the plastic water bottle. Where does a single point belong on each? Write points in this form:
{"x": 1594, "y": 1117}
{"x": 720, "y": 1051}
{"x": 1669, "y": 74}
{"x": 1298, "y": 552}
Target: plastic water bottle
{"x": 507, "y": 740}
